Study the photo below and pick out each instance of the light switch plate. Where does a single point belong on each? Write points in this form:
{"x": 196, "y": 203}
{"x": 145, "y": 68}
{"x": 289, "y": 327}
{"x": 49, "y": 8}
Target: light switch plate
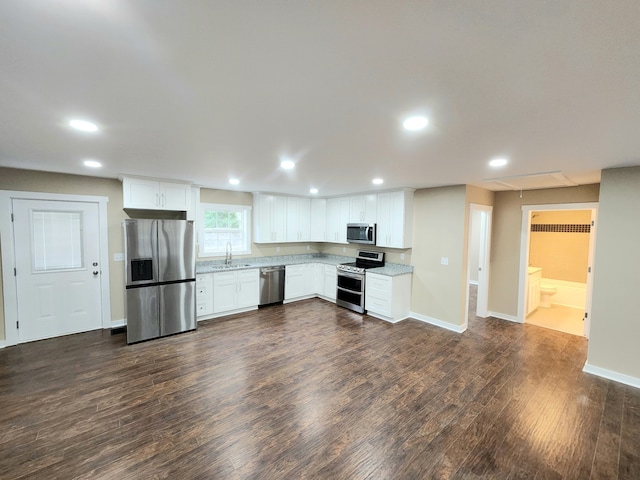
{"x": 118, "y": 257}
{"x": 444, "y": 260}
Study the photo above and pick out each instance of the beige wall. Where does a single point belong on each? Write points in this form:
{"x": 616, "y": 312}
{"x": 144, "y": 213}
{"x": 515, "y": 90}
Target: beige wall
{"x": 228, "y": 197}
{"x": 391, "y": 255}
{"x": 505, "y": 238}
{"x": 615, "y": 321}
{"x": 36, "y": 181}
{"x": 440, "y": 225}
{"x": 561, "y": 255}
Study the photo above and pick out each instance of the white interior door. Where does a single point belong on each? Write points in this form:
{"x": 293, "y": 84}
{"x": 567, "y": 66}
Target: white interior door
{"x": 57, "y": 250}
{"x": 483, "y": 238}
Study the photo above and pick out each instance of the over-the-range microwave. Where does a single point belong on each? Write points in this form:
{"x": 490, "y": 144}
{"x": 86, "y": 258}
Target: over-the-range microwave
{"x": 361, "y": 233}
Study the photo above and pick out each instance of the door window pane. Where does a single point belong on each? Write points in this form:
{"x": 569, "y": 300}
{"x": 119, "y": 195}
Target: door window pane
{"x": 57, "y": 240}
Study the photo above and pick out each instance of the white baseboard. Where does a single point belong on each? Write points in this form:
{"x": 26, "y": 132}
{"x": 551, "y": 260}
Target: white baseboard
{"x": 504, "y": 316}
{"x": 297, "y": 299}
{"x": 439, "y": 323}
{"x": 3, "y": 344}
{"x": 116, "y": 324}
{"x": 385, "y": 318}
{"x": 611, "y": 375}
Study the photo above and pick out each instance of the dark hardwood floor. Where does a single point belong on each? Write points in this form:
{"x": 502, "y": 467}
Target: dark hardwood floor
{"x": 310, "y": 390}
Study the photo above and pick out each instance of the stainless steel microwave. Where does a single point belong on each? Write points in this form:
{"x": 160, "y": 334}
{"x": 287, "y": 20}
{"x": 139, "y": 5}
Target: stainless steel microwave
{"x": 361, "y": 233}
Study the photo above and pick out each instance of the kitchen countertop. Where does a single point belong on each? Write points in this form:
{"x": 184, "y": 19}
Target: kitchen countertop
{"x": 209, "y": 266}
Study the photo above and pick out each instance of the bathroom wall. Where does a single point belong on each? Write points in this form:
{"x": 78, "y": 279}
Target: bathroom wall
{"x": 562, "y": 255}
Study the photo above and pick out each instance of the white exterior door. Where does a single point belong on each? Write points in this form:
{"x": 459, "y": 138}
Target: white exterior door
{"x": 57, "y": 255}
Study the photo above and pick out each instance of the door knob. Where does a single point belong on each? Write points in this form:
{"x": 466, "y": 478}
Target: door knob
{"x": 95, "y": 272}
{"x": 95, "y": 264}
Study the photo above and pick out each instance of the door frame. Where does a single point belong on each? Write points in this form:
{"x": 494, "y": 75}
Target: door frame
{"x": 524, "y": 253}
{"x": 7, "y": 245}
{"x": 486, "y": 254}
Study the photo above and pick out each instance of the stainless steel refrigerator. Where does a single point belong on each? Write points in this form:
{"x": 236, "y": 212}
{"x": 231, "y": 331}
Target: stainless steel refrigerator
{"x": 160, "y": 278}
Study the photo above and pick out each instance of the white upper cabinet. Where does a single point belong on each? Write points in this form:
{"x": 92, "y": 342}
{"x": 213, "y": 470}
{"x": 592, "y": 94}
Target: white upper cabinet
{"x": 363, "y": 208}
{"x": 337, "y": 219}
{"x": 298, "y": 219}
{"x": 395, "y": 219}
{"x": 149, "y": 194}
{"x": 269, "y": 218}
{"x": 282, "y": 219}
{"x": 318, "y": 219}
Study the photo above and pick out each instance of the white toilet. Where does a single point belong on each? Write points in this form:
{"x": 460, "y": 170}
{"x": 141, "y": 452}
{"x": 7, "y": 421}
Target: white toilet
{"x": 546, "y": 292}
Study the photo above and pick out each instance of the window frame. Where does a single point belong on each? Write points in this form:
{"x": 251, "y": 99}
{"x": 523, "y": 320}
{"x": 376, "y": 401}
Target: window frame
{"x": 245, "y": 210}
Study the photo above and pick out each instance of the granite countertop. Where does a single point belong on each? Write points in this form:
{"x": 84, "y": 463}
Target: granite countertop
{"x": 392, "y": 269}
{"x": 209, "y": 266}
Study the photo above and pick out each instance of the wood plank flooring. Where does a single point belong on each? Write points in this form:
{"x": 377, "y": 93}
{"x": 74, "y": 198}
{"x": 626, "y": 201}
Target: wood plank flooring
{"x": 311, "y": 390}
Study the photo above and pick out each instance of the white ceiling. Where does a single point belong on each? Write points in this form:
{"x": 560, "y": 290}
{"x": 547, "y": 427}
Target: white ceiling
{"x": 205, "y": 90}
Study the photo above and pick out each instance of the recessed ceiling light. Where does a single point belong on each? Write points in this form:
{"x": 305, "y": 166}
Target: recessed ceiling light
{"x": 415, "y": 123}
{"x": 234, "y": 181}
{"x": 313, "y": 190}
{"x": 83, "y": 125}
{"x": 498, "y": 162}
{"x": 92, "y": 164}
{"x": 377, "y": 181}
{"x": 287, "y": 164}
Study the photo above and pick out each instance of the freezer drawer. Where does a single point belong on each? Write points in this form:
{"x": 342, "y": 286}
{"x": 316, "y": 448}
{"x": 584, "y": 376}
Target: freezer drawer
{"x": 142, "y": 314}
{"x": 177, "y": 307}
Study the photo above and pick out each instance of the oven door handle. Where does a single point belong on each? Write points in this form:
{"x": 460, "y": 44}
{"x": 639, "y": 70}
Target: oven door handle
{"x": 355, "y": 292}
{"x": 351, "y": 275}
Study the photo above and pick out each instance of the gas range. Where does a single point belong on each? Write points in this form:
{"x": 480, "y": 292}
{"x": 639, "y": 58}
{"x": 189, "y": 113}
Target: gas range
{"x": 363, "y": 261}
{"x": 351, "y": 268}
{"x": 351, "y": 279}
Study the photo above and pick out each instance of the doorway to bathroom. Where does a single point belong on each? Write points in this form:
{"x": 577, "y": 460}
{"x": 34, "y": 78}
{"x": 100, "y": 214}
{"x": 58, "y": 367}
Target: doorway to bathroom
{"x": 556, "y": 266}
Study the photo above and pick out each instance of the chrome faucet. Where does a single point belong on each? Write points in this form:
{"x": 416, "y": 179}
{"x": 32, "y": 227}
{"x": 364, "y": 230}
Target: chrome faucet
{"x": 229, "y": 257}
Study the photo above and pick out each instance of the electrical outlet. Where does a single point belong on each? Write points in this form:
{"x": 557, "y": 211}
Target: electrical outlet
{"x": 402, "y": 256}
{"x": 277, "y": 249}
{"x": 118, "y": 257}
{"x": 444, "y": 260}
{"x": 308, "y": 248}
{"x": 344, "y": 249}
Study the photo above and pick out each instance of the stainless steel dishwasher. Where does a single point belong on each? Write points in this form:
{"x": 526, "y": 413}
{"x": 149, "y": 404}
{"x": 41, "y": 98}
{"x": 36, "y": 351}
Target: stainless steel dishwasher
{"x": 271, "y": 285}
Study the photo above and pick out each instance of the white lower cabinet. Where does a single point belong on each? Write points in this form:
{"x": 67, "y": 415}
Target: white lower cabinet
{"x": 330, "y": 282}
{"x": 388, "y": 298}
{"x": 204, "y": 294}
{"x": 299, "y": 281}
{"x": 235, "y": 290}
{"x": 534, "y": 280}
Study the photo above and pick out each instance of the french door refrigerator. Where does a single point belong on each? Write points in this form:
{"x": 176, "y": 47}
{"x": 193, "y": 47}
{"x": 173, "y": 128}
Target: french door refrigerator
{"x": 160, "y": 278}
